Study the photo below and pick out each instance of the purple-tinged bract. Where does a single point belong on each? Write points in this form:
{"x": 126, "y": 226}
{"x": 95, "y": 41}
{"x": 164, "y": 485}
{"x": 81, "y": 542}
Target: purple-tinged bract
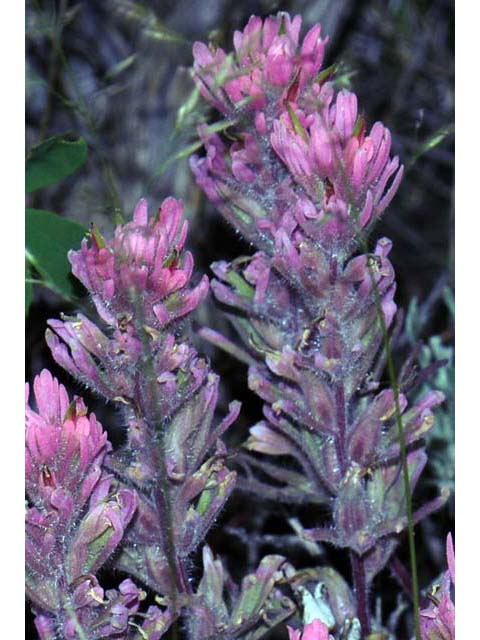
{"x": 143, "y": 267}
{"x": 76, "y": 517}
{"x": 300, "y": 174}
{"x": 437, "y": 622}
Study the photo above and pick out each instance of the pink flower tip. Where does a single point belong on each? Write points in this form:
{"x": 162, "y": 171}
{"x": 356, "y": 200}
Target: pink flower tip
{"x": 315, "y": 630}
{"x": 64, "y": 447}
{"x": 144, "y": 265}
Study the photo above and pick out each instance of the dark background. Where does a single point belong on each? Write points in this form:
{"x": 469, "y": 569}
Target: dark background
{"x": 117, "y": 72}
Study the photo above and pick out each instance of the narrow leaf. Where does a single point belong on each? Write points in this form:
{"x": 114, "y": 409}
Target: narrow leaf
{"x": 120, "y": 67}
{"x": 431, "y": 143}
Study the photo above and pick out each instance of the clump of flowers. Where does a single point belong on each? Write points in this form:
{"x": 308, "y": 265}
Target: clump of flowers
{"x": 76, "y": 517}
{"x": 154, "y": 499}
{"x": 140, "y": 284}
{"x": 304, "y": 180}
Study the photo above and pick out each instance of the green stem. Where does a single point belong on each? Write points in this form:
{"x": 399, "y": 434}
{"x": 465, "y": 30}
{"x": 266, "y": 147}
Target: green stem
{"x": 403, "y": 446}
{"x": 82, "y": 109}
{"x": 155, "y": 440}
{"x": 52, "y": 67}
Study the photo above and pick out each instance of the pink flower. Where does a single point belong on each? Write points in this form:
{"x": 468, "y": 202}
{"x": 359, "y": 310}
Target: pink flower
{"x": 106, "y": 520}
{"x": 302, "y": 154}
{"x": 144, "y": 267}
{"x": 267, "y": 61}
{"x": 376, "y": 268}
{"x": 315, "y": 630}
{"x": 331, "y": 150}
{"x": 64, "y": 447}
{"x": 76, "y": 516}
{"x": 438, "y": 621}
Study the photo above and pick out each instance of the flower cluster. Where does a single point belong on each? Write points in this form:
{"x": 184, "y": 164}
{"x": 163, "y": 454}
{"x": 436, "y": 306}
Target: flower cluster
{"x": 267, "y": 60}
{"x": 153, "y": 499}
{"x": 302, "y": 167}
{"x": 225, "y": 610}
{"x": 143, "y": 267}
{"x": 304, "y": 181}
{"x": 76, "y": 517}
{"x": 301, "y": 176}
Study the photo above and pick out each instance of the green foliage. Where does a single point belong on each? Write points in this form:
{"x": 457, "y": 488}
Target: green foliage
{"x": 433, "y": 141}
{"x": 187, "y": 151}
{"x": 48, "y": 238}
{"x": 152, "y": 26}
{"x": 53, "y": 160}
{"x": 120, "y": 67}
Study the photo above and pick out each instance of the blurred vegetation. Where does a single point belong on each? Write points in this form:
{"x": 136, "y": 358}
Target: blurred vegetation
{"x": 116, "y": 74}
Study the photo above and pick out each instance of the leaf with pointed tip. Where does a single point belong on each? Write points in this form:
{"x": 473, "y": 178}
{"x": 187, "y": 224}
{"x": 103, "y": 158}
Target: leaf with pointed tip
{"x": 433, "y": 141}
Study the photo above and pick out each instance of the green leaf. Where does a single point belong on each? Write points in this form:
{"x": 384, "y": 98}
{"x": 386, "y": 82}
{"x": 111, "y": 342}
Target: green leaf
{"x": 48, "y": 238}
{"x": 28, "y": 288}
{"x": 359, "y": 124}
{"x": 240, "y": 285}
{"x": 120, "y": 67}
{"x": 191, "y": 148}
{"x": 187, "y": 108}
{"x": 327, "y": 73}
{"x": 96, "y": 547}
{"x": 432, "y": 142}
{"x": 159, "y": 32}
{"x": 296, "y": 123}
{"x": 53, "y": 160}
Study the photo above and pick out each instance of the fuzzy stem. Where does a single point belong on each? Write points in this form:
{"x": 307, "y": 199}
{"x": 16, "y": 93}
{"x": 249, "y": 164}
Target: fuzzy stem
{"x": 361, "y": 591}
{"x": 155, "y": 437}
{"x": 357, "y": 562}
{"x": 341, "y": 426}
{"x": 341, "y": 417}
{"x": 155, "y": 424}
{"x": 74, "y": 620}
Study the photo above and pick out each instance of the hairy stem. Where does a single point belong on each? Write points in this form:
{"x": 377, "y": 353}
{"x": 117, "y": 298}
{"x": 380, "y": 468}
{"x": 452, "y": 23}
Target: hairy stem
{"x": 341, "y": 426}
{"x": 341, "y": 417}
{"x": 156, "y": 425}
{"x": 155, "y": 438}
{"x": 361, "y": 591}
